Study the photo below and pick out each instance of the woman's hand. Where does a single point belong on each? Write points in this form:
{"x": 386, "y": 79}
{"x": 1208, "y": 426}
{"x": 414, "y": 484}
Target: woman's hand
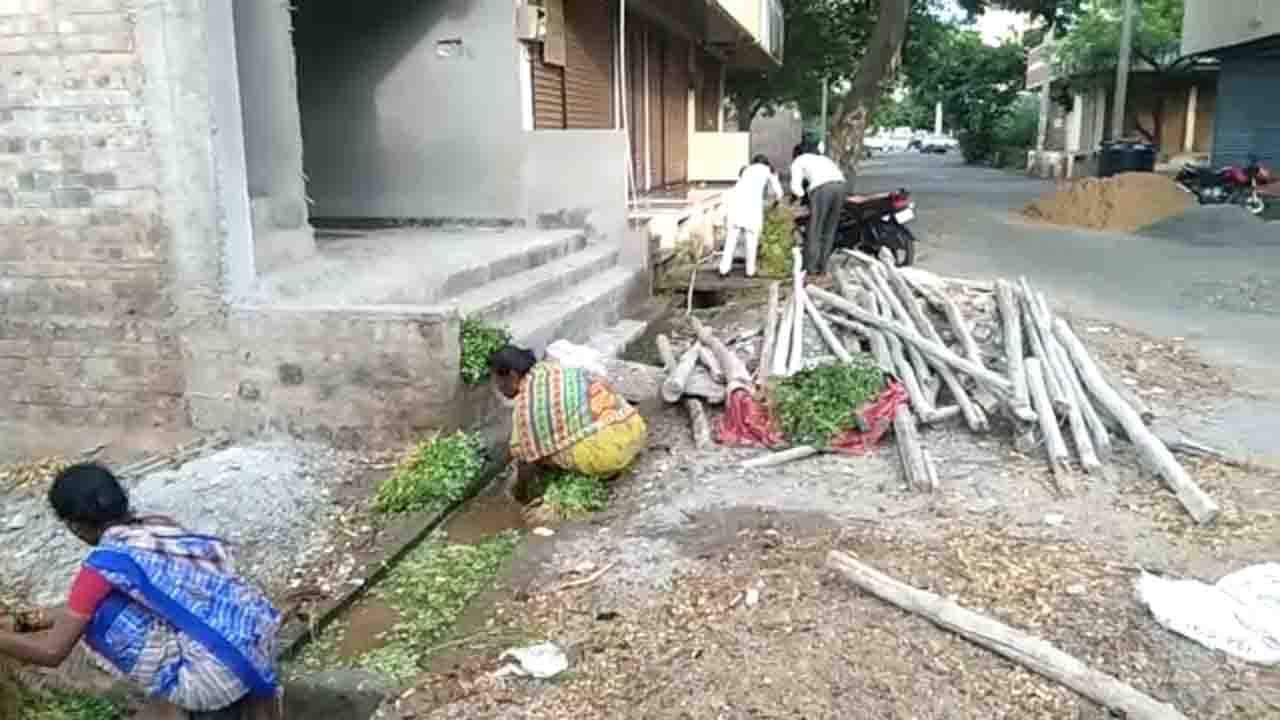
{"x": 45, "y": 649}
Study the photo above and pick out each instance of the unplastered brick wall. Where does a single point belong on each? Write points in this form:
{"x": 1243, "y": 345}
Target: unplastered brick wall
{"x": 86, "y": 345}
{"x": 350, "y": 376}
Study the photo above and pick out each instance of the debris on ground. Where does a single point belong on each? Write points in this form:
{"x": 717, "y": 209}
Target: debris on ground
{"x": 543, "y": 661}
{"x": 1239, "y": 615}
{"x": 1124, "y": 202}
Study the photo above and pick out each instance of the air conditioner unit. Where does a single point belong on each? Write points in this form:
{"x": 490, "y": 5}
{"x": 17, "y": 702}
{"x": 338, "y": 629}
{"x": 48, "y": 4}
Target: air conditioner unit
{"x": 531, "y": 23}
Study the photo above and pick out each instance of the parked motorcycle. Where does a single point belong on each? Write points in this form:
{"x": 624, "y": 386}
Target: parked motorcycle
{"x": 870, "y": 222}
{"x": 1233, "y": 185}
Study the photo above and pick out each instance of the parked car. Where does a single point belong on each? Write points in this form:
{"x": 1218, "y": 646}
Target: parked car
{"x": 939, "y": 144}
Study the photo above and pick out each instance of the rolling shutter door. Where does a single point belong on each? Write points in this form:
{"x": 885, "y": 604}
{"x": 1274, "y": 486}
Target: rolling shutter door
{"x": 676, "y": 112}
{"x": 548, "y": 94}
{"x": 1248, "y": 117}
{"x": 588, "y": 71}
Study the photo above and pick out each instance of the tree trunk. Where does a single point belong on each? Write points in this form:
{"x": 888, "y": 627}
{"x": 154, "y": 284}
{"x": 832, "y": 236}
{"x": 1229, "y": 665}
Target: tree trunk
{"x": 878, "y": 64}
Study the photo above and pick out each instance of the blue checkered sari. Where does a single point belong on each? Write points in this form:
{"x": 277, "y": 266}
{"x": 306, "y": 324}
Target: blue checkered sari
{"x": 179, "y": 623}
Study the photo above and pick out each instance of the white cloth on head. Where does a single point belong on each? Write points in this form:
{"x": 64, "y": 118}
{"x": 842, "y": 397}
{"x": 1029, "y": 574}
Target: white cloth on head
{"x": 746, "y": 199}
{"x": 817, "y": 169}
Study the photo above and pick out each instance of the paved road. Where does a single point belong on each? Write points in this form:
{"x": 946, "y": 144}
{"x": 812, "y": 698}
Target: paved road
{"x": 1211, "y": 276}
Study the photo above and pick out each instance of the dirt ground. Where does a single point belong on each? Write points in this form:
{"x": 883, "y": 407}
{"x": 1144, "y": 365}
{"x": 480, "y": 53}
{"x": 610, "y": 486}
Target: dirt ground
{"x": 667, "y": 630}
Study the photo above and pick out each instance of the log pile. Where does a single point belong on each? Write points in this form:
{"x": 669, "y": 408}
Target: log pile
{"x": 1025, "y": 372}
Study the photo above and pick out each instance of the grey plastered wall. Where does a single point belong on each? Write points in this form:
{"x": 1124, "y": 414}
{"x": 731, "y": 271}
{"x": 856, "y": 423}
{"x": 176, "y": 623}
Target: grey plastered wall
{"x": 576, "y": 179}
{"x": 398, "y": 120}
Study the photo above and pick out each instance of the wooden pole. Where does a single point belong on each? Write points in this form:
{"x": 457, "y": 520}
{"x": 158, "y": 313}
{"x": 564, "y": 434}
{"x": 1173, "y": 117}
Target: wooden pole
{"x": 678, "y": 377}
{"x": 697, "y": 414}
{"x": 1000, "y": 386}
{"x": 1020, "y": 647}
{"x": 1011, "y": 320}
{"x": 1195, "y": 500}
{"x": 958, "y": 323}
{"x": 914, "y": 467}
{"x": 1098, "y": 433}
{"x": 1059, "y": 457}
{"x": 764, "y": 365}
{"x": 782, "y": 457}
{"x": 878, "y": 284}
{"x": 796, "y": 362}
{"x": 782, "y": 350}
{"x": 1057, "y": 393}
{"x": 739, "y": 378}
{"x": 879, "y": 346}
{"x": 709, "y": 361}
{"x": 973, "y": 416}
{"x": 824, "y": 329}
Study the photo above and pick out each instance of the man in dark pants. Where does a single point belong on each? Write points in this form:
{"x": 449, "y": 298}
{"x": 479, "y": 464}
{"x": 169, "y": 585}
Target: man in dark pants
{"x": 820, "y": 178}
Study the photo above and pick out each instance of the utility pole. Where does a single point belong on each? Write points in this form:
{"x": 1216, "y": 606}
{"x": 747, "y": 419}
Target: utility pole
{"x": 937, "y": 119}
{"x": 826, "y": 87}
{"x": 1122, "y": 72}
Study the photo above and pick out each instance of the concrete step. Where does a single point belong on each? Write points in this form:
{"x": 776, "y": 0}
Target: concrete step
{"x": 579, "y": 312}
{"x": 413, "y": 266}
{"x": 497, "y": 301}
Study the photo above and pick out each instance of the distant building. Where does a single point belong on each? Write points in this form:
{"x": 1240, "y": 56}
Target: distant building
{"x": 1245, "y": 38}
{"x": 1079, "y": 116}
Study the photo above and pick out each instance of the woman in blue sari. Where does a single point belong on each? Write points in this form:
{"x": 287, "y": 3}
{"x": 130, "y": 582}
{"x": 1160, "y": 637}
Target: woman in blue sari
{"x": 161, "y": 605}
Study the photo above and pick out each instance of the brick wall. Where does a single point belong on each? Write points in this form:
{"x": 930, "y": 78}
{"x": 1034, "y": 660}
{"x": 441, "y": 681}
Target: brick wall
{"x": 85, "y": 338}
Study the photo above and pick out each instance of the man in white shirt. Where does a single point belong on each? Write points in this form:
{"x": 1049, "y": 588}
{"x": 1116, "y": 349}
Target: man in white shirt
{"x": 746, "y": 211}
{"x": 827, "y": 190}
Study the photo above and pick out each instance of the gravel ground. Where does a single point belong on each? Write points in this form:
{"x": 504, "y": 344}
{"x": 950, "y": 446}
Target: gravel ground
{"x": 269, "y": 499}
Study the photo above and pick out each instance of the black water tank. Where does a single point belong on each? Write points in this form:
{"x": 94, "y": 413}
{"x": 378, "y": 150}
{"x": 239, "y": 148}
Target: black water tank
{"x": 1121, "y": 156}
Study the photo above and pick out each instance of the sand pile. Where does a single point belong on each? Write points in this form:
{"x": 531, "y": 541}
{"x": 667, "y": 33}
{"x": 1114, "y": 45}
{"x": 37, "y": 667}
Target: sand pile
{"x": 1124, "y": 202}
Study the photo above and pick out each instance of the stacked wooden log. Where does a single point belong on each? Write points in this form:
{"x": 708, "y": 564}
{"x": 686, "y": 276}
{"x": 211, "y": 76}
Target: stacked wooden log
{"x": 1041, "y": 382}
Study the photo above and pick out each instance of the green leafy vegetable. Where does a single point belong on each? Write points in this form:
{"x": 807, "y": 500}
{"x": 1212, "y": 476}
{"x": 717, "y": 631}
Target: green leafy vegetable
{"x": 815, "y": 405}
{"x": 776, "y": 241}
{"x": 571, "y": 495}
{"x": 479, "y": 342}
{"x": 435, "y": 476}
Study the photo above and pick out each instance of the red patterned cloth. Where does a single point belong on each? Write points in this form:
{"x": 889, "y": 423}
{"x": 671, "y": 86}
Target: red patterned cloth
{"x": 746, "y": 423}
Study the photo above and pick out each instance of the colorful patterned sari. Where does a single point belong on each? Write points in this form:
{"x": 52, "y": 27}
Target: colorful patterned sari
{"x": 179, "y": 623}
{"x": 566, "y": 417}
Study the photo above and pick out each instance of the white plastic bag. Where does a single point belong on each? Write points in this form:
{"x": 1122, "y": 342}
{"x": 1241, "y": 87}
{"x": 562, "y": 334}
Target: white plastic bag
{"x": 578, "y": 356}
{"x": 1240, "y": 615}
{"x": 542, "y": 662}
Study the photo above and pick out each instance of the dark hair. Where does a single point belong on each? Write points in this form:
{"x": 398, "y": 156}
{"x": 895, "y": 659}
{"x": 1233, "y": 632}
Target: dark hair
{"x": 89, "y": 494}
{"x": 797, "y": 151}
{"x": 512, "y": 359}
{"x": 762, "y": 160}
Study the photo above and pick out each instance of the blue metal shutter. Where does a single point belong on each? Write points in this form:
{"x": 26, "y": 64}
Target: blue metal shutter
{"x": 1248, "y": 112}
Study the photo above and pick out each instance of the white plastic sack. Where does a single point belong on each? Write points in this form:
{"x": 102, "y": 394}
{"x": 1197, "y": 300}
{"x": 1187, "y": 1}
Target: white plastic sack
{"x": 577, "y": 356}
{"x": 1240, "y": 615}
{"x": 543, "y": 662}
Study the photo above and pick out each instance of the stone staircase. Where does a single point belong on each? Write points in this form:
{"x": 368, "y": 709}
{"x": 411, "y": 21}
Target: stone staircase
{"x": 543, "y": 285}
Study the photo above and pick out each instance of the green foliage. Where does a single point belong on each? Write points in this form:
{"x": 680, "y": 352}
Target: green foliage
{"x": 776, "y": 240}
{"x": 66, "y": 706}
{"x": 430, "y": 589}
{"x": 815, "y": 405}
{"x": 479, "y": 342}
{"x": 905, "y": 112}
{"x": 1089, "y": 50}
{"x": 571, "y": 495}
{"x": 435, "y": 476}
{"x": 1048, "y": 10}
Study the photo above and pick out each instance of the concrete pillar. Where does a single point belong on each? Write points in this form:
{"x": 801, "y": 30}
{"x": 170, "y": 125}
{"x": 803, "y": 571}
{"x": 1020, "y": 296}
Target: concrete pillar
{"x": 1046, "y": 107}
{"x": 1193, "y": 99}
{"x": 937, "y": 119}
{"x": 1075, "y": 124}
{"x": 1099, "y": 118}
{"x": 272, "y": 132}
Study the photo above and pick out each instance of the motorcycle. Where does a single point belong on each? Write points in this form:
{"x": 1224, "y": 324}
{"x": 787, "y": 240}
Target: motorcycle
{"x": 870, "y": 222}
{"x": 1230, "y": 185}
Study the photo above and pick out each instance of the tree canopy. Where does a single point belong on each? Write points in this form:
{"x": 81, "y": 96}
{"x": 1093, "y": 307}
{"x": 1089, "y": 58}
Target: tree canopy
{"x": 1093, "y": 42}
{"x": 1050, "y": 11}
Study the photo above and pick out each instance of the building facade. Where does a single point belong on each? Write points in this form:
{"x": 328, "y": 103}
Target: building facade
{"x": 226, "y": 214}
{"x": 1245, "y": 38}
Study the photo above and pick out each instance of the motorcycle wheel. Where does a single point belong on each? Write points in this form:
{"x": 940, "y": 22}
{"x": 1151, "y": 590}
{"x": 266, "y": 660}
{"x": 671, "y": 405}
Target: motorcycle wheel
{"x": 1255, "y": 205}
{"x": 897, "y": 238}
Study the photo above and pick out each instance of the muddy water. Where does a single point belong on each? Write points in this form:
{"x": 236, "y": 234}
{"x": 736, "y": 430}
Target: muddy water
{"x": 484, "y": 517}
{"x": 367, "y": 626}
